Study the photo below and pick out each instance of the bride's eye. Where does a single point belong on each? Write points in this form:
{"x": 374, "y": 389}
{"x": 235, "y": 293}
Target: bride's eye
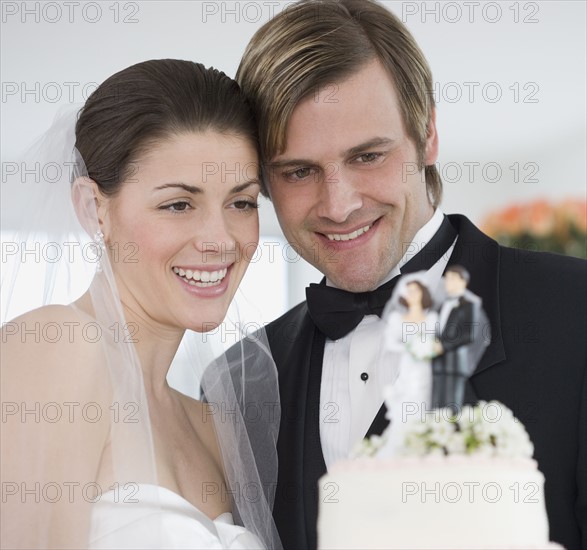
{"x": 176, "y": 207}
{"x": 245, "y": 205}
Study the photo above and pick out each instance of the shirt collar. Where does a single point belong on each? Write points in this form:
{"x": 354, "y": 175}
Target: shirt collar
{"x": 420, "y": 240}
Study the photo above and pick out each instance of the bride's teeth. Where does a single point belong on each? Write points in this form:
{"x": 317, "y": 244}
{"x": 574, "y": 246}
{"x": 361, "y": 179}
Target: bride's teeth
{"x": 348, "y": 236}
{"x": 201, "y": 278}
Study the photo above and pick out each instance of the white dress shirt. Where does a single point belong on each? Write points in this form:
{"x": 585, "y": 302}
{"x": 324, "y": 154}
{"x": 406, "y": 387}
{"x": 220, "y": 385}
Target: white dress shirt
{"x": 352, "y": 374}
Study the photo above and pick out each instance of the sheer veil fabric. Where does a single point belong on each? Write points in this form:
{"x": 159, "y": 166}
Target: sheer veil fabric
{"x": 79, "y": 428}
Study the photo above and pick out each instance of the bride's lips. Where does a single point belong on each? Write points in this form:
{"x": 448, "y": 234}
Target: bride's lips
{"x": 210, "y": 281}
{"x": 359, "y": 240}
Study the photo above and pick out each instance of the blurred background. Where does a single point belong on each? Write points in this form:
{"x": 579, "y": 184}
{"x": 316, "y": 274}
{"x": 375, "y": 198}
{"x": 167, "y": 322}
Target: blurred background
{"x": 510, "y": 87}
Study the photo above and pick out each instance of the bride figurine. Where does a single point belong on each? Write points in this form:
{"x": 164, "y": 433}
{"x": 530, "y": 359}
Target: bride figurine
{"x": 409, "y": 343}
{"x": 133, "y": 241}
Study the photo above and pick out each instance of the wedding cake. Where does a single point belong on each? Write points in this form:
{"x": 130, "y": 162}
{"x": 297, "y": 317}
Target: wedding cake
{"x": 464, "y": 480}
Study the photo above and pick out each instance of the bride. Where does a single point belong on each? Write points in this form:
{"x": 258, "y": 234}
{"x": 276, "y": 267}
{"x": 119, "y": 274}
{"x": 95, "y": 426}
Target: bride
{"x": 98, "y": 451}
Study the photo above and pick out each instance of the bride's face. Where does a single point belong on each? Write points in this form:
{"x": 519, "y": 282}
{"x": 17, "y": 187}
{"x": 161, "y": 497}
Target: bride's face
{"x": 184, "y": 227}
{"x": 413, "y": 294}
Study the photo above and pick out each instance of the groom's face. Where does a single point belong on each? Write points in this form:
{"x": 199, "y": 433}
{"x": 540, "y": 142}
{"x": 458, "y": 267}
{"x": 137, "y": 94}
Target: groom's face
{"x": 455, "y": 285}
{"x": 348, "y": 190}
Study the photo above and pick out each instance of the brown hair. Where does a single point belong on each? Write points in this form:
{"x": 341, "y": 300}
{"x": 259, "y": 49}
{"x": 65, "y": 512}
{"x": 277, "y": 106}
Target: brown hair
{"x": 315, "y": 43}
{"x": 149, "y": 102}
{"x": 426, "y": 297}
{"x": 460, "y": 271}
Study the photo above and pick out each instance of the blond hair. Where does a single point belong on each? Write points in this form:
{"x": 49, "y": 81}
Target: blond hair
{"x": 315, "y": 43}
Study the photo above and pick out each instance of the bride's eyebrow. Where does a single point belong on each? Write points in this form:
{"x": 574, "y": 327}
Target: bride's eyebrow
{"x": 198, "y": 190}
{"x": 243, "y": 186}
{"x": 189, "y": 188}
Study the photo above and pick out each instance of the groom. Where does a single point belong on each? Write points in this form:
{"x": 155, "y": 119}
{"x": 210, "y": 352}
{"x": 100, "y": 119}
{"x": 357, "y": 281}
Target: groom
{"x": 348, "y": 138}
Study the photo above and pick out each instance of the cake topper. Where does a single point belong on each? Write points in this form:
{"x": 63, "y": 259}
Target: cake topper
{"x": 434, "y": 339}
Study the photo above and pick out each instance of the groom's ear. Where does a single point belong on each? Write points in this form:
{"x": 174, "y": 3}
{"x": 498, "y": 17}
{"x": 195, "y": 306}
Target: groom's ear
{"x": 90, "y": 205}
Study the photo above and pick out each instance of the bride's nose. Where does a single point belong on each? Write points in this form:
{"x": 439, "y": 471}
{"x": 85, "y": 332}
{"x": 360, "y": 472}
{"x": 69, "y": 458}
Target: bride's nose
{"x": 214, "y": 235}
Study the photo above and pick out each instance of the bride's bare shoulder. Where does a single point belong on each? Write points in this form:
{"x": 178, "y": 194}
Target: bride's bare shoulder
{"x": 49, "y": 326}
{"x": 48, "y": 313}
{"x": 57, "y": 394}
{"x": 53, "y": 344}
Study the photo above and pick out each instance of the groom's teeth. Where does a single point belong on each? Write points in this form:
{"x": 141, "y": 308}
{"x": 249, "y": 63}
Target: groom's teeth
{"x": 201, "y": 278}
{"x": 348, "y": 236}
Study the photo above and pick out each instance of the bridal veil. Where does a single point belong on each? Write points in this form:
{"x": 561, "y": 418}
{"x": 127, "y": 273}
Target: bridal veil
{"x": 101, "y": 413}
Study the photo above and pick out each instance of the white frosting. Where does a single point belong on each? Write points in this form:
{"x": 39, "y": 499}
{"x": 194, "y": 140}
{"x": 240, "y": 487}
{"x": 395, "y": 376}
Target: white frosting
{"x": 433, "y": 502}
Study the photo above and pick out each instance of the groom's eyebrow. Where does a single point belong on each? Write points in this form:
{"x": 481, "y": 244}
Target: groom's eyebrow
{"x": 290, "y": 162}
{"x": 352, "y": 151}
{"x": 371, "y": 144}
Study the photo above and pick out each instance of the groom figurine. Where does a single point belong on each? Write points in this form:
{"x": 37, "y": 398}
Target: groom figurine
{"x": 451, "y": 365}
{"x": 347, "y": 130}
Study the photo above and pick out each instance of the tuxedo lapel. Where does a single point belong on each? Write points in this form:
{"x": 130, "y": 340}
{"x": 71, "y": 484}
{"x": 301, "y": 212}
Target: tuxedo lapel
{"x": 379, "y": 422}
{"x": 480, "y": 255}
{"x": 313, "y": 460}
{"x": 291, "y": 343}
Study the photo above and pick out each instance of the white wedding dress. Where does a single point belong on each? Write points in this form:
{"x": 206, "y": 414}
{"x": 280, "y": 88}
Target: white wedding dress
{"x": 410, "y": 394}
{"x": 162, "y": 519}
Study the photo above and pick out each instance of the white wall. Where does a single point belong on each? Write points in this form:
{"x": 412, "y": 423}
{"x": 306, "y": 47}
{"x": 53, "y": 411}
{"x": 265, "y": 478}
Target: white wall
{"x": 54, "y": 52}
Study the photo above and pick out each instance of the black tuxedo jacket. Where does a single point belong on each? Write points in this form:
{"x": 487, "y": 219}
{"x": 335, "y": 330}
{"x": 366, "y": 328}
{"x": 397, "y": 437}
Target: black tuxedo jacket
{"x": 536, "y": 364}
{"x": 456, "y": 334}
{"x": 457, "y": 330}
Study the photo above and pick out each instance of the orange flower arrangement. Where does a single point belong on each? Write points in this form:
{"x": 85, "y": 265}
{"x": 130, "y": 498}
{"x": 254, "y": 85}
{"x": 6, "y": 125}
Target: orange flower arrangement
{"x": 542, "y": 225}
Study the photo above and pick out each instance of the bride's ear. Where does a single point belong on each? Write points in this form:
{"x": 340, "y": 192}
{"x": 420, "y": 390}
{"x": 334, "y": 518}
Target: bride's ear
{"x": 90, "y": 205}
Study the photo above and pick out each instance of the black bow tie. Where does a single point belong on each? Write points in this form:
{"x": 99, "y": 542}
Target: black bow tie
{"x": 337, "y": 312}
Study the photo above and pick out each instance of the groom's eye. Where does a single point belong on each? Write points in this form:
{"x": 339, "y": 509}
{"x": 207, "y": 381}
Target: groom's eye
{"x": 298, "y": 174}
{"x": 369, "y": 158}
